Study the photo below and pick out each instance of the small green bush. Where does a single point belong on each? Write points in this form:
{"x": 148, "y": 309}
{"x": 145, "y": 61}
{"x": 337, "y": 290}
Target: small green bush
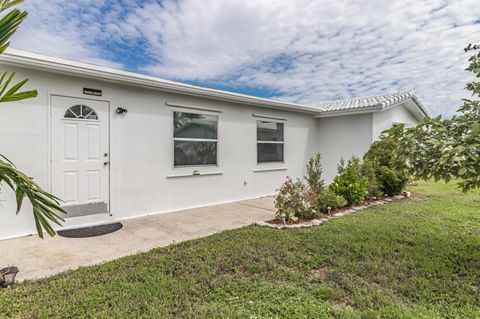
{"x": 349, "y": 182}
{"x": 374, "y": 186}
{"x": 391, "y": 171}
{"x": 328, "y": 200}
{"x": 309, "y": 207}
{"x": 392, "y": 183}
{"x": 314, "y": 174}
{"x": 287, "y": 214}
{"x": 295, "y": 200}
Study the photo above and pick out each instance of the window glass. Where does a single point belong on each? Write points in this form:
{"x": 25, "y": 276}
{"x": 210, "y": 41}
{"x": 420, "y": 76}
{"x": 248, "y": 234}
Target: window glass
{"x": 195, "y": 139}
{"x": 76, "y": 109}
{"x": 198, "y": 126}
{"x": 87, "y": 112}
{"x": 270, "y": 142}
{"x": 195, "y": 153}
{"x": 70, "y": 115}
{"x": 269, "y": 152}
{"x": 81, "y": 112}
{"x": 269, "y": 131}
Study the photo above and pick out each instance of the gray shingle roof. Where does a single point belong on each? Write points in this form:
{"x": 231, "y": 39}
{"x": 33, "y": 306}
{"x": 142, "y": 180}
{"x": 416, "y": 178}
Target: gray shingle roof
{"x": 371, "y": 102}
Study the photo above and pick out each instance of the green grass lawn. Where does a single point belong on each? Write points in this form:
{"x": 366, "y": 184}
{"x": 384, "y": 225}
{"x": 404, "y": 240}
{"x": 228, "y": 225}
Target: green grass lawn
{"x": 416, "y": 258}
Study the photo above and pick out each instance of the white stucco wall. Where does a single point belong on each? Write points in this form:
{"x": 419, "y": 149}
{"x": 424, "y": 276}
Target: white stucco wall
{"x": 348, "y": 135}
{"x": 143, "y": 179}
{"x": 141, "y": 150}
{"x": 343, "y": 136}
{"x": 386, "y": 119}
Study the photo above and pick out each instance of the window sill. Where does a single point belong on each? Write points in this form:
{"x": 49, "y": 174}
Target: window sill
{"x": 194, "y": 175}
{"x": 272, "y": 169}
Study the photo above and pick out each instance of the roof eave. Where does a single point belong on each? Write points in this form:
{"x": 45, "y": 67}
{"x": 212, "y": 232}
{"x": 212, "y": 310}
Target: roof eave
{"x": 377, "y": 108}
{"x": 61, "y": 66}
{"x": 421, "y": 106}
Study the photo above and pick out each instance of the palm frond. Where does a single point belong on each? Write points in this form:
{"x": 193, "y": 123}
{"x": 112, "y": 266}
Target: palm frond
{"x": 45, "y": 206}
{"x": 9, "y": 25}
{"x": 5, "y": 4}
{"x": 11, "y": 94}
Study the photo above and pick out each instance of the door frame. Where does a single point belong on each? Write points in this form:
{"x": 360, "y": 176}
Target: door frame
{"x": 50, "y": 136}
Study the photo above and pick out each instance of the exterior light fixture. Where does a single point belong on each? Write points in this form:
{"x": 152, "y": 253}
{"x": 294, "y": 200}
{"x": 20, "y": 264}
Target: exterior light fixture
{"x": 121, "y": 110}
{"x": 7, "y": 276}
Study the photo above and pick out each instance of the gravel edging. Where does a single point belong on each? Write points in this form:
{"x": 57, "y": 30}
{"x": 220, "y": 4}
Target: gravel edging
{"x": 318, "y": 222}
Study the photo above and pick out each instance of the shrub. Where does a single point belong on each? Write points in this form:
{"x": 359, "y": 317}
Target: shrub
{"x": 391, "y": 171}
{"x": 374, "y": 186}
{"x": 392, "y": 183}
{"x": 286, "y": 199}
{"x": 314, "y": 174}
{"x": 286, "y": 215}
{"x": 309, "y": 206}
{"x": 328, "y": 200}
{"x": 349, "y": 182}
{"x": 295, "y": 200}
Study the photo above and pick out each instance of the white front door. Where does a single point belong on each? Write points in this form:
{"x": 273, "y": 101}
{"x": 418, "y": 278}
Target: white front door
{"x": 80, "y": 155}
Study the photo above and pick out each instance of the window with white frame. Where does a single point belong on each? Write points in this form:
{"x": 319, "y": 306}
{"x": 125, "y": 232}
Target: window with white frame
{"x": 270, "y": 142}
{"x": 195, "y": 139}
{"x": 81, "y": 112}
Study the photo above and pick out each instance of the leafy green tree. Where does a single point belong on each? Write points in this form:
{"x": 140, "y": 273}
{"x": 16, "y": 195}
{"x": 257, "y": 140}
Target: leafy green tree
{"x": 44, "y": 205}
{"x": 446, "y": 149}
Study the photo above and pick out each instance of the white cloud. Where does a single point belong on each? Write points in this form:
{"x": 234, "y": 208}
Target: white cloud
{"x": 305, "y": 51}
{"x": 63, "y": 29}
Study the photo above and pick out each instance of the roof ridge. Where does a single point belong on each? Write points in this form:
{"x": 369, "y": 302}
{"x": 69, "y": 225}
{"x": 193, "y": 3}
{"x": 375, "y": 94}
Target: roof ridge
{"x": 363, "y": 97}
{"x": 373, "y": 102}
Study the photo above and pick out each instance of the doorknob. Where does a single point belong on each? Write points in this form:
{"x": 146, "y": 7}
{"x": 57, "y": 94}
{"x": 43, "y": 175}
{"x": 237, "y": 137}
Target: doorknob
{"x": 106, "y": 163}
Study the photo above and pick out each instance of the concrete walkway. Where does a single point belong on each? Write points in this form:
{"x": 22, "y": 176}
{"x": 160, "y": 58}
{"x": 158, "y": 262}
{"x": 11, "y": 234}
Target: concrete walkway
{"x": 38, "y": 258}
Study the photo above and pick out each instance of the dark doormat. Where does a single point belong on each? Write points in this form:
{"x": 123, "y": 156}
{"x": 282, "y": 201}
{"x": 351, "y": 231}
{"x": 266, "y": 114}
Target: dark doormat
{"x": 93, "y": 231}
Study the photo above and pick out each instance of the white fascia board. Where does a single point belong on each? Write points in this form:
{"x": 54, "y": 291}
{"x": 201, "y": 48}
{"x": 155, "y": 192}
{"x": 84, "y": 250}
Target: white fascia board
{"x": 349, "y": 112}
{"x": 412, "y": 104}
{"x": 417, "y": 111}
{"x": 420, "y": 106}
{"x": 68, "y": 67}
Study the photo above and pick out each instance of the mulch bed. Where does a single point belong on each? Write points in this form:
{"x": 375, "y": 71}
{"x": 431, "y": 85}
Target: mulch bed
{"x": 290, "y": 222}
{"x": 299, "y": 223}
{"x": 323, "y": 215}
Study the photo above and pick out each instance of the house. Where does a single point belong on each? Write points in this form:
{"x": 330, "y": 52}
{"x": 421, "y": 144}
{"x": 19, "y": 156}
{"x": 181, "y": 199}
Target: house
{"x": 116, "y": 145}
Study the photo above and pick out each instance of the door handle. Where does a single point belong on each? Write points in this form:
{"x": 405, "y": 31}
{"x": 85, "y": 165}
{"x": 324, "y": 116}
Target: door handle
{"x": 106, "y": 163}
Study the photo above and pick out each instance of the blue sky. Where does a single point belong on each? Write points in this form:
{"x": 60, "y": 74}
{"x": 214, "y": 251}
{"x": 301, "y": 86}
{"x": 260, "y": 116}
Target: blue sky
{"x": 297, "y": 50}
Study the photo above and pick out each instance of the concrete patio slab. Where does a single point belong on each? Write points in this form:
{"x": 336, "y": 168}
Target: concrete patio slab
{"x": 38, "y": 258}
